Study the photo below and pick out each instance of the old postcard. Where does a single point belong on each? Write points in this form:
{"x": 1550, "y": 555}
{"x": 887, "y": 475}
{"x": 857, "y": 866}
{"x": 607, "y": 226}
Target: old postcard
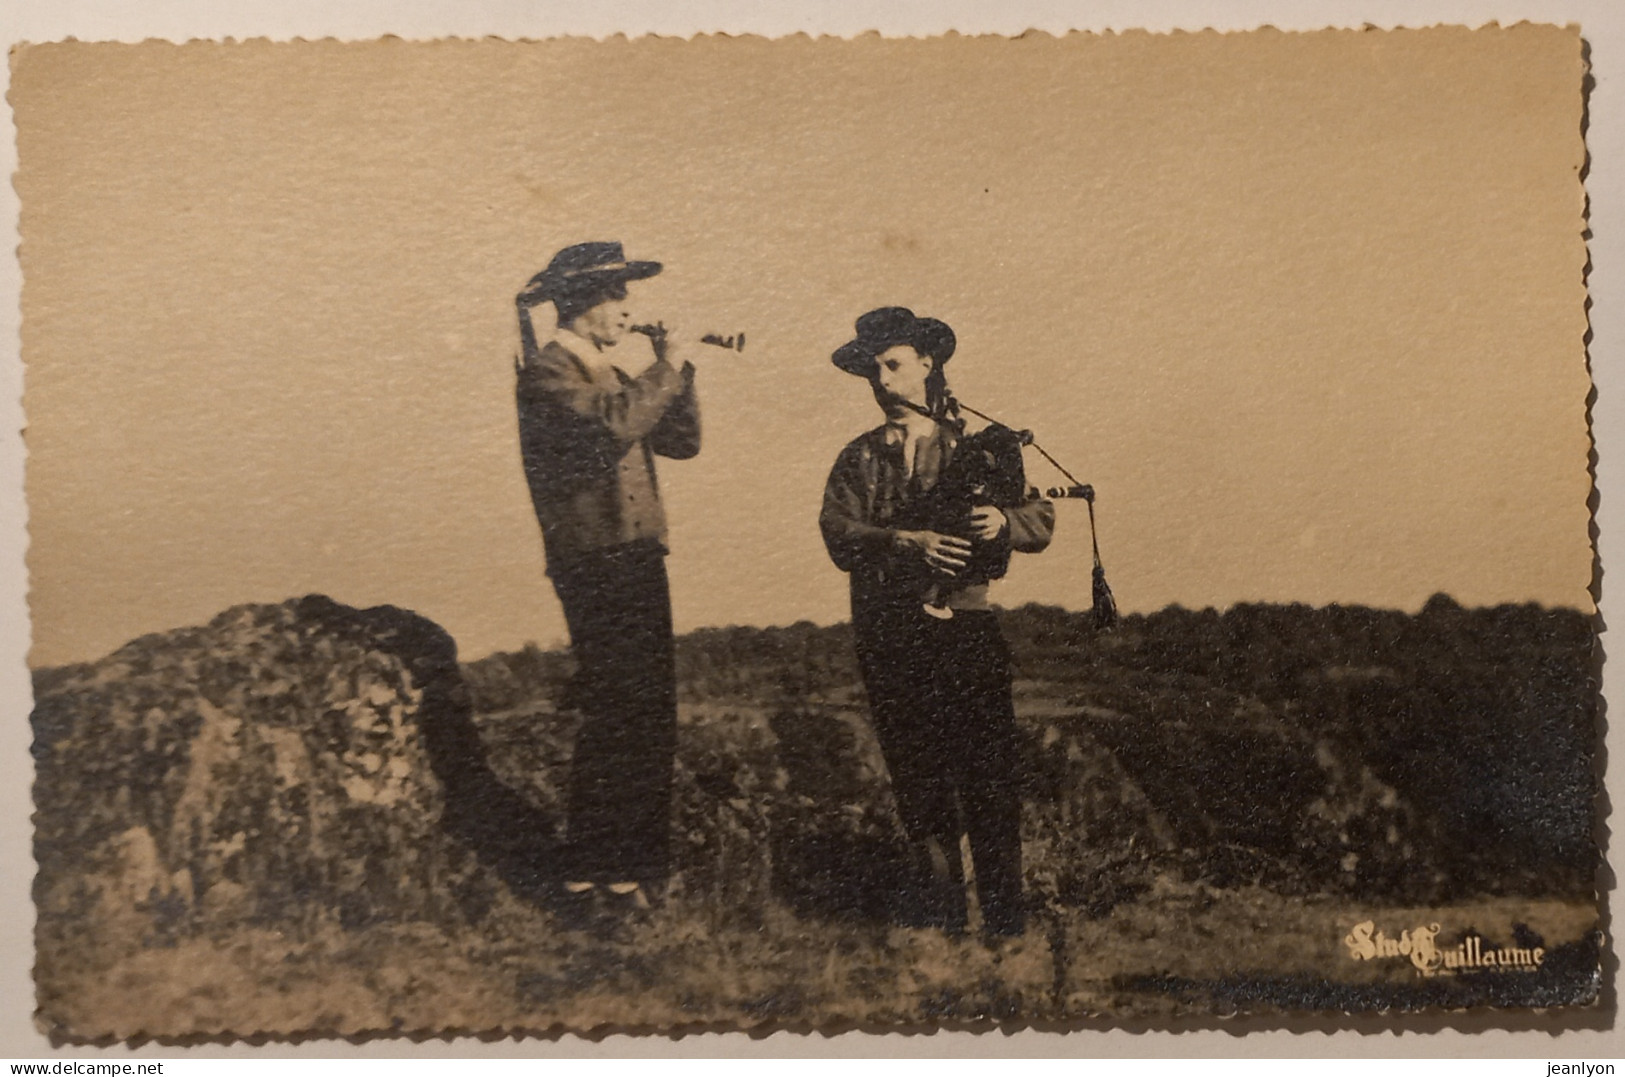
{"x": 731, "y": 532}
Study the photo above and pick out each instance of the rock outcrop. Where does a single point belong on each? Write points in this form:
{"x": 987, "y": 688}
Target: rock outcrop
{"x": 281, "y": 762}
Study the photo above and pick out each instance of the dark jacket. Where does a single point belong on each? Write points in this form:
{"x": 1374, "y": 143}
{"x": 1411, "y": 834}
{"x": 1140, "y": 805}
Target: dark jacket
{"x": 869, "y": 491}
{"x": 588, "y": 435}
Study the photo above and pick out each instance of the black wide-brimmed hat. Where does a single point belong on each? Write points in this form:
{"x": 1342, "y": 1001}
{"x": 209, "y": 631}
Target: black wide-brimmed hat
{"x": 881, "y": 329}
{"x": 584, "y": 269}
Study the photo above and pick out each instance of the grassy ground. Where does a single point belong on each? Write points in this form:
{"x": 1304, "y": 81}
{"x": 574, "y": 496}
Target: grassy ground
{"x": 1178, "y": 949}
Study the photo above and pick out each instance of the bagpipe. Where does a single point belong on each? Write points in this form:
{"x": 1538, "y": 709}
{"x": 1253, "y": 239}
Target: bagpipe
{"x": 987, "y": 469}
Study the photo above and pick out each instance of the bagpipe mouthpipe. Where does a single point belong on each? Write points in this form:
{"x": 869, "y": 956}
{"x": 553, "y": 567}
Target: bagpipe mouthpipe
{"x": 1081, "y": 490}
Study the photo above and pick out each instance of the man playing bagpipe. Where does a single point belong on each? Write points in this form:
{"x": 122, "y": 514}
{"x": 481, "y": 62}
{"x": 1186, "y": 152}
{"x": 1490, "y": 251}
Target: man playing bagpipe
{"x": 923, "y": 514}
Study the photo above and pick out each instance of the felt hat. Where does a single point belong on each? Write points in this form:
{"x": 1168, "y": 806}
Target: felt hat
{"x": 881, "y": 329}
{"x": 584, "y": 269}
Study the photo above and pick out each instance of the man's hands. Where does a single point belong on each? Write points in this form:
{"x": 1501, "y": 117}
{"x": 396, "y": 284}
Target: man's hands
{"x": 665, "y": 344}
{"x": 945, "y": 553}
{"x": 949, "y": 553}
{"x": 669, "y": 349}
{"x": 988, "y": 523}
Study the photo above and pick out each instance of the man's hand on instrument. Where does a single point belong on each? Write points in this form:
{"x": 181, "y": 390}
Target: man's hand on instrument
{"x": 664, "y": 343}
{"x": 988, "y": 523}
{"x": 673, "y": 350}
{"x": 945, "y": 553}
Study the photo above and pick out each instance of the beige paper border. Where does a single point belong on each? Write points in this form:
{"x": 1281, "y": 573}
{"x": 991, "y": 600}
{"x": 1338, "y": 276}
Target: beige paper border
{"x": 1604, "y": 28}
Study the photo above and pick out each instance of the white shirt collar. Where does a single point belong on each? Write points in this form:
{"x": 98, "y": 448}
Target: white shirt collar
{"x": 580, "y": 347}
{"x": 574, "y": 341}
{"x": 909, "y": 430}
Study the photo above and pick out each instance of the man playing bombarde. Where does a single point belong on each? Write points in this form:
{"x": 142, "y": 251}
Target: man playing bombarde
{"x": 589, "y": 432}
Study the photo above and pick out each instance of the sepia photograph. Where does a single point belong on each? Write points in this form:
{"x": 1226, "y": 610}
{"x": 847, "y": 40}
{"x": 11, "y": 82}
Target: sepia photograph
{"x": 738, "y": 533}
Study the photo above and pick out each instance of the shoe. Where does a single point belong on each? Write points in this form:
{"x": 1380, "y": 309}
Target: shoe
{"x": 576, "y": 905}
{"x": 627, "y": 897}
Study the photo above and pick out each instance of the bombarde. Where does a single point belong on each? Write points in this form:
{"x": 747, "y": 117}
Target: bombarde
{"x": 734, "y": 342}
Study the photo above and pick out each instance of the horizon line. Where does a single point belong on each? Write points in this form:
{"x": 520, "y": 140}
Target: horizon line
{"x": 564, "y": 645}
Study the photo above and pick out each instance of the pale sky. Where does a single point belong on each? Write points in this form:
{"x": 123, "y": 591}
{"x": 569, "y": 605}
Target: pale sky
{"x": 1307, "y": 310}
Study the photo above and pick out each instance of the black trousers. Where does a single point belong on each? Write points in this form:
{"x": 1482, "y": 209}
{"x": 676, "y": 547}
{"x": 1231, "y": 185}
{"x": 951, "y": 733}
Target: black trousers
{"x": 939, "y": 699}
{"x": 618, "y": 606}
